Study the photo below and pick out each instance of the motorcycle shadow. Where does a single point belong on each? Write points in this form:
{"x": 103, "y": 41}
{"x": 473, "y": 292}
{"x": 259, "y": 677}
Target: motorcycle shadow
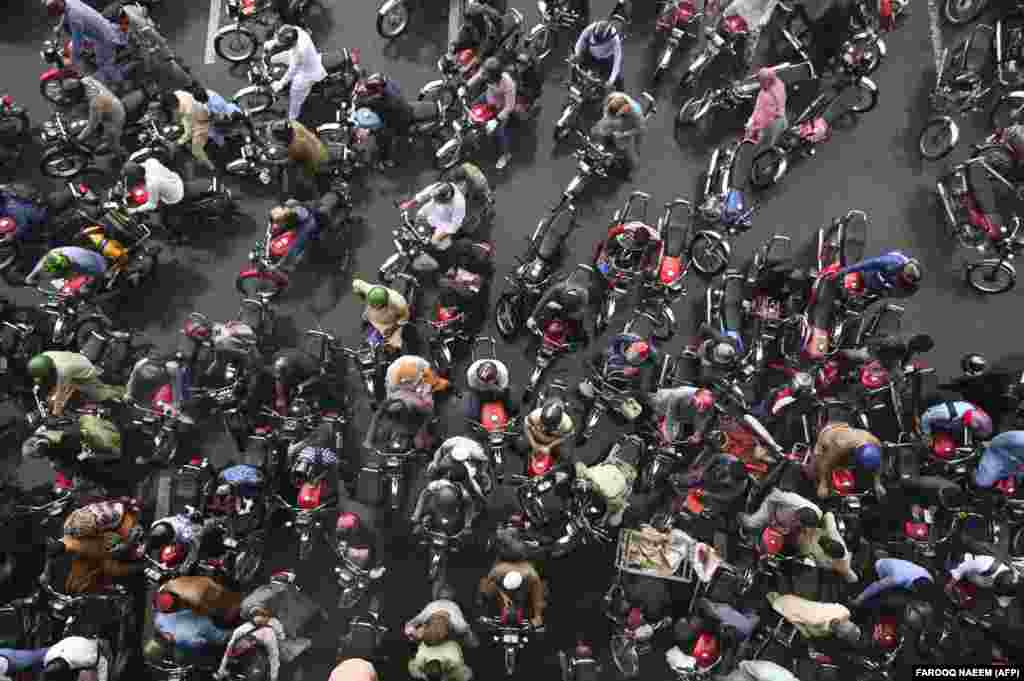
{"x": 177, "y": 285}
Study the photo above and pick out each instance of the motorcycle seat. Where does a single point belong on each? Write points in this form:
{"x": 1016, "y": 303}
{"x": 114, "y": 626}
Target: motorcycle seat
{"x": 933, "y": 489}
{"x": 334, "y": 61}
{"x": 197, "y": 189}
{"x": 423, "y": 111}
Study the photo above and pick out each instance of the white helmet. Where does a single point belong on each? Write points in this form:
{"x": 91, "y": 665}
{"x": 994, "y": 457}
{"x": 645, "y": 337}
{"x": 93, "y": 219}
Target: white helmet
{"x": 462, "y": 448}
{"x": 512, "y": 581}
{"x": 77, "y": 651}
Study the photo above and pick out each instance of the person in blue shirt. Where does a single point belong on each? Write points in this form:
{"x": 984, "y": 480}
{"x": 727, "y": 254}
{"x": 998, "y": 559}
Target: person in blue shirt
{"x": 599, "y": 47}
{"x": 894, "y": 573}
{"x": 69, "y": 261}
{"x": 306, "y": 222}
{"x": 85, "y": 23}
{"x": 1003, "y": 457}
{"x": 24, "y": 206}
{"x": 951, "y": 417}
{"x": 14, "y": 662}
{"x": 892, "y": 273}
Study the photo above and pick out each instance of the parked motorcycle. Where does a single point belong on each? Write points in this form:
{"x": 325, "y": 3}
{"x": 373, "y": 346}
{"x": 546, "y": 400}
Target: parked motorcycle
{"x": 677, "y": 19}
{"x": 723, "y": 208}
{"x": 610, "y": 391}
{"x": 585, "y": 89}
{"x": 554, "y": 17}
{"x": 615, "y": 281}
{"x": 238, "y": 42}
{"x": 512, "y": 637}
{"x": 553, "y": 342}
{"x": 729, "y": 36}
{"x": 535, "y": 272}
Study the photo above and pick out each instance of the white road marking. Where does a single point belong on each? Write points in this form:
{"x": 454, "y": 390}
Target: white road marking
{"x": 211, "y": 31}
{"x": 935, "y": 32}
{"x": 454, "y": 19}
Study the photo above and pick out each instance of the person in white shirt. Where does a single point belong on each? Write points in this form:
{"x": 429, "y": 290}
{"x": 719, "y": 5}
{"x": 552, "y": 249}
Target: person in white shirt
{"x": 443, "y": 207}
{"x": 986, "y": 572}
{"x": 305, "y": 66}
{"x": 163, "y": 186}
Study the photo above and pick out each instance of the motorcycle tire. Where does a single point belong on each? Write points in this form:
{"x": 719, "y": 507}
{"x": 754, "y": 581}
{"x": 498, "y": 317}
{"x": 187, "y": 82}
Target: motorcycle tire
{"x": 708, "y": 255}
{"x": 866, "y": 100}
{"x": 984, "y": 278}
{"x": 1007, "y": 111}
{"x": 960, "y": 12}
{"x": 507, "y": 316}
{"x": 768, "y": 168}
{"x": 53, "y": 91}
{"x": 871, "y": 53}
{"x": 394, "y": 22}
{"x": 63, "y": 162}
{"x": 260, "y": 286}
{"x": 937, "y": 139}
{"x": 254, "y": 100}
{"x": 237, "y": 46}
{"x": 539, "y": 42}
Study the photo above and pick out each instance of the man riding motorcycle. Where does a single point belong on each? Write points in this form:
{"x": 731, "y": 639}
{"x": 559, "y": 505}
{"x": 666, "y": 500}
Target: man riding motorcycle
{"x": 85, "y": 23}
{"x": 354, "y": 669}
{"x": 61, "y": 374}
{"x": 675, "y": 406}
{"x": 627, "y": 353}
{"x": 398, "y": 426}
{"x": 567, "y": 301}
{"x": 599, "y": 48}
{"x": 412, "y": 380}
{"x": 499, "y": 91}
{"x": 488, "y": 381}
{"x": 306, "y": 222}
{"x": 387, "y": 311}
{"x": 482, "y": 29}
{"x": 622, "y": 126}
{"x": 631, "y": 246}
{"x": 157, "y": 186}
{"x": 988, "y": 191}
{"x": 545, "y": 429}
{"x": 102, "y": 538}
{"x": 293, "y": 46}
{"x": 1002, "y": 457}
{"x": 182, "y": 107}
{"x": 106, "y": 111}
{"x": 515, "y": 587}
{"x": 612, "y": 479}
{"x": 77, "y": 658}
{"x": 787, "y": 512}
{"x": 892, "y": 274}
{"x": 381, "y": 95}
{"x": 442, "y": 206}
{"x": 952, "y": 417}
{"x": 305, "y": 149}
{"x": 24, "y": 205}
{"x": 433, "y": 628}
{"x": 894, "y": 573}
{"x": 839, "y": 445}
{"x": 462, "y": 460}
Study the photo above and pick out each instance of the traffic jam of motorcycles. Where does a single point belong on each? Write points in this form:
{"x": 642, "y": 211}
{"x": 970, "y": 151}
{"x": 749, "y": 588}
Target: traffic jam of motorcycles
{"x": 776, "y": 487}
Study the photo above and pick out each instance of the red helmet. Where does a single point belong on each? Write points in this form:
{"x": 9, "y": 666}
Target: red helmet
{"x": 172, "y": 555}
{"x": 138, "y": 195}
{"x": 165, "y": 601}
{"x": 637, "y": 352}
{"x": 348, "y": 522}
{"x": 487, "y": 372}
{"x": 703, "y": 400}
{"x": 7, "y": 224}
{"x": 980, "y": 422}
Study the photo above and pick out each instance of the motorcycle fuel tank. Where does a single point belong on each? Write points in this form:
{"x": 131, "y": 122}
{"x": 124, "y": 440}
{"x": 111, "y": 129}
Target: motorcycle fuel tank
{"x": 493, "y": 416}
{"x": 281, "y": 244}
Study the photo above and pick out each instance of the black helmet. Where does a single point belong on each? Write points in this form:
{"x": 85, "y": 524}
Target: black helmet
{"x": 917, "y": 614}
{"x": 444, "y": 192}
{"x": 73, "y": 90}
{"x": 487, "y": 372}
{"x": 722, "y": 354}
{"x": 973, "y": 364}
{"x": 133, "y": 173}
{"x": 492, "y": 69}
{"x": 169, "y": 101}
{"x": 603, "y": 32}
{"x": 282, "y": 131}
{"x": 801, "y": 383}
{"x": 161, "y": 534}
{"x": 447, "y": 498}
{"x": 58, "y": 670}
{"x": 446, "y": 593}
{"x": 1005, "y": 583}
{"x": 287, "y": 36}
{"x": 551, "y": 415}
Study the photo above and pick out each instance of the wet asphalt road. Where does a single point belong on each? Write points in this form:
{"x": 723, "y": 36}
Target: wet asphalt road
{"x": 874, "y": 166}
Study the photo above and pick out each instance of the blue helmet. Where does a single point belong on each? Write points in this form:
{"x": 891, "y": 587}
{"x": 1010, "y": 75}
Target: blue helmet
{"x": 366, "y": 118}
{"x": 869, "y": 456}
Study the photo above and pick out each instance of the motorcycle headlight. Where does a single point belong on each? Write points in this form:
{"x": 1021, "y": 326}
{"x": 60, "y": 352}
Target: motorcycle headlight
{"x": 584, "y": 167}
{"x": 575, "y": 91}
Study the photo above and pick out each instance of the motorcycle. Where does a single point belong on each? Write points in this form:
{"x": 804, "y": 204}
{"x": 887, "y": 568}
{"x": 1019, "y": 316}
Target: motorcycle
{"x": 723, "y": 208}
{"x": 14, "y": 130}
{"x": 311, "y": 479}
{"x": 343, "y": 72}
{"x": 662, "y": 455}
{"x": 616, "y": 281}
{"x": 554, "y": 17}
{"x": 677, "y": 19}
{"x": 659, "y": 295}
{"x": 238, "y": 43}
{"x": 469, "y": 130}
{"x": 493, "y": 423}
{"x": 70, "y": 318}
{"x": 264, "y": 280}
{"x": 511, "y": 637}
{"x": 768, "y": 314}
{"x": 534, "y": 274}
{"x": 1009, "y": 48}
{"x": 611, "y": 390}
{"x": 355, "y": 576}
{"x": 442, "y": 533}
{"x": 585, "y": 89}
{"x": 51, "y": 81}
{"x": 703, "y": 110}
{"x": 812, "y": 127}
{"x": 960, "y": 88}
{"x": 553, "y": 342}
{"x": 728, "y": 36}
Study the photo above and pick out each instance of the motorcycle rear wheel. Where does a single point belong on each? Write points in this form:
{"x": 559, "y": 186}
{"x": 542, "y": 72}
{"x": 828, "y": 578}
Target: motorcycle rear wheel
{"x": 259, "y": 286}
{"x": 236, "y": 46}
{"x": 767, "y": 168}
{"x": 708, "y": 255}
{"x": 63, "y": 162}
{"x": 990, "y": 277}
{"x": 394, "y": 22}
{"x": 507, "y": 317}
{"x": 960, "y": 12}
{"x": 937, "y": 139}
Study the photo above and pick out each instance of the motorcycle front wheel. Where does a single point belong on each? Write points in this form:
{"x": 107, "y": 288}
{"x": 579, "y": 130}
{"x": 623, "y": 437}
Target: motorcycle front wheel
{"x": 63, "y": 162}
{"x": 708, "y": 255}
{"x": 960, "y": 12}
{"x": 538, "y": 42}
{"x": 767, "y": 168}
{"x": 392, "y": 20}
{"x": 866, "y": 100}
{"x": 236, "y": 46}
{"x": 260, "y": 286}
{"x": 991, "y": 277}
{"x": 254, "y": 100}
{"x": 507, "y": 317}
{"x": 937, "y": 139}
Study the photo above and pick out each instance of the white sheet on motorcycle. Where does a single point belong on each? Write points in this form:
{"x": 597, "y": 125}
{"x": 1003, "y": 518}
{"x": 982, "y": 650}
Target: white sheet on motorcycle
{"x": 292, "y": 607}
{"x": 629, "y": 542}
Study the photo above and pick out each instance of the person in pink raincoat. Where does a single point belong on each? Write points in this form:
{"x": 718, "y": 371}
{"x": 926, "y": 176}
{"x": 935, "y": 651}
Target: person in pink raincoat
{"x": 768, "y": 121}
{"x": 353, "y": 669}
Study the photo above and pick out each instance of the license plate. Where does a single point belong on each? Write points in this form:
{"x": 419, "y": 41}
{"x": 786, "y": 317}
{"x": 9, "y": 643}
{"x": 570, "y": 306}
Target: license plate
{"x": 510, "y": 638}
{"x": 3, "y": 365}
